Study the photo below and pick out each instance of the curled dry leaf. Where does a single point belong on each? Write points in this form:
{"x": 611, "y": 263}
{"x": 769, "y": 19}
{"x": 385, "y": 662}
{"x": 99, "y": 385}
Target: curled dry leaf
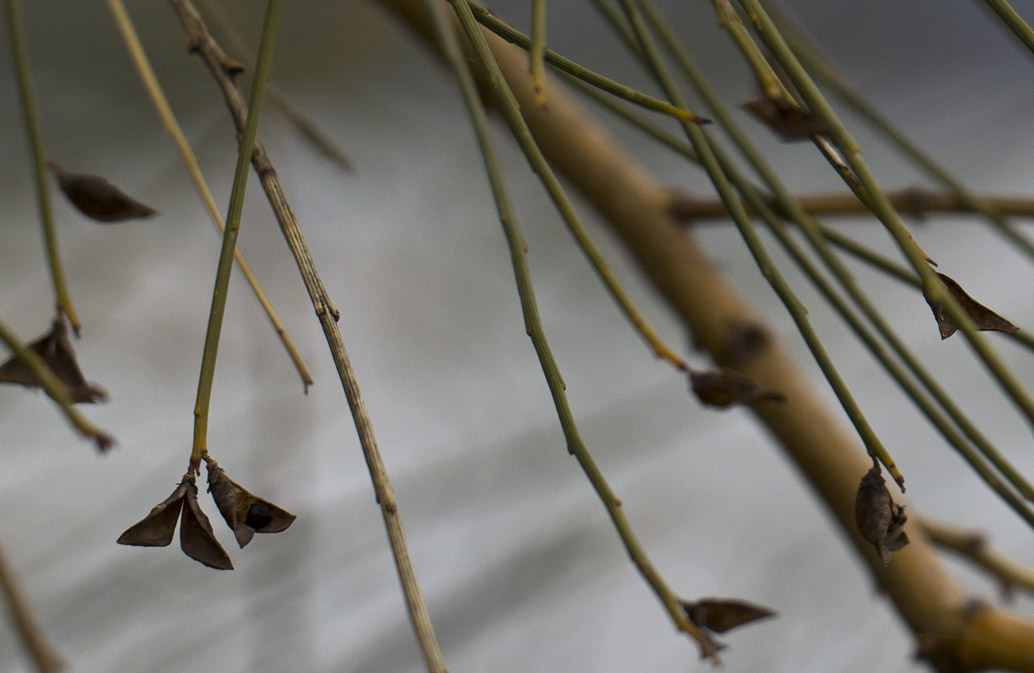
{"x": 245, "y": 514}
{"x": 197, "y": 540}
{"x": 788, "y": 121}
{"x": 721, "y": 615}
{"x": 880, "y": 520}
{"x": 56, "y": 351}
{"x": 984, "y": 318}
{"x": 724, "y": 387}
{"x": 98, "y": 199}
{"x": 158, "y": 527}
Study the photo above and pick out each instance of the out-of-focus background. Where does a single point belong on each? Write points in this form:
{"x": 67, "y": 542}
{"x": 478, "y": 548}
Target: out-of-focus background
{"x": 520, "y": 567}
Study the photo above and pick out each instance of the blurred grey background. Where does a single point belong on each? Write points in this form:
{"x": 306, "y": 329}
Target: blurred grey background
{"x": 520, "y": 567}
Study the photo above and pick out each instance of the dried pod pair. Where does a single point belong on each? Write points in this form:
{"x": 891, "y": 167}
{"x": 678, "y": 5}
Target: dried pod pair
{"x": 723, "y": 388}
{"x": 244, "y": 513}
{"x": 98, "y": 199}
{"x": 55, "y": 350}
{"x": 197, "y": 540}
{"x": 880, "y": 520}
{"x": 719, "y": 615}
{"x": 984, "y": 318}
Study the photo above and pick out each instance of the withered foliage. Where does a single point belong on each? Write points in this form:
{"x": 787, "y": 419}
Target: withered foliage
{"x": 721, "y": 614}
{"x": 984, "y": 318}
{"x": 880, "y": 520}
{"x": 55, "y": 349}
{"x": 245, "y": 514}
{"x": 724, "y": 387}
{"x": 98, "y": 199}
{"x": 197, "y": 540}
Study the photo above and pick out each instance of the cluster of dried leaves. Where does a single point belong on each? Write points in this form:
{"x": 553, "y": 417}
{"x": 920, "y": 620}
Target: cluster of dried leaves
{"x": 244, "y": 513}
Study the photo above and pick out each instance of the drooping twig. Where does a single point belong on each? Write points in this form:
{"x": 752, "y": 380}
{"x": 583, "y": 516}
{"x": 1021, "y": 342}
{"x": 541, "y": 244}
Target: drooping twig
{"x": 203, "y": 44}
{"x": 972, "y": 545}
{"x": 44, "y": 656}
{"x": 168, "y": 119}
{"x": 62, "y": 298}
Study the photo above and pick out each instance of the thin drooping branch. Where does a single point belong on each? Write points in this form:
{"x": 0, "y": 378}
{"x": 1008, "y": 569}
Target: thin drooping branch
{"x": 953, "y": 632}
{"x": 44, "y": 656}
{"x": 973, "y": 546}
{"x": 202, "y": 43}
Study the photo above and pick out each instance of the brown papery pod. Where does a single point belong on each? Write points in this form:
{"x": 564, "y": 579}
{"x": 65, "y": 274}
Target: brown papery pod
{"x": 245, "y": 514}
{"x": 984, "y": 318}
{"x": 879, "y": 519}
{"x": 98, "y": 199}
{"x": 158, "y": 527}
{"x": 56, "y": 351}
{"x": 721, "y": 615}
{"x": 724, "y": 387}
{"x": 789, "y": 122}
{"x": 197, "y": 540}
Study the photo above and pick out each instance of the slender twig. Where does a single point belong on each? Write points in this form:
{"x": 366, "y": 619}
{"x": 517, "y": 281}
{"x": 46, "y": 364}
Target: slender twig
{"x": 168, "y": 119}
{"x": 533, "y": 324}
{"x": 538, "y": 48}
{"x": 233, "y": 223}
{"x": 44, "y": 656}
{"x": 205, "y": 46}
{"x": 507, "y": 104}
{"x": 972, "y": 545}
{"x": 933, "y": 287}
{"x": 1014, "y": 21}
{"x": 698, "y": 138}
{"x": 62, "y": 298}
{"x": 54, "y": 388}
{"x": 510, "y": 34}
{"x": 221, "y": 26}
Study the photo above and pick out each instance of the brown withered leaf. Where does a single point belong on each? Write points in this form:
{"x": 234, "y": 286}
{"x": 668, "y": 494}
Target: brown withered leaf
{"x": 56, "y": 351}
{"x": 721, "y": 615}
{"x": 197, "y": 540}
{"x": 984, "y": 318}
{"x": 725, "y": 387}
{"x": 879, "y": 519}
{"x": 245, "y": 514}
{"x": 98, "y": 199}
{"x": 158, "y": 527}
{"x": 789, "y": 122}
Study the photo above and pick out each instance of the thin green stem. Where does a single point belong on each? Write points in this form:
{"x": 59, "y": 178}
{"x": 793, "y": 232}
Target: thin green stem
{"x": 510, "y": 109}
{"x": 538, "y": 49}
{"x": 514, "y": 36}
{"x": 933, "y": 288}
{"x": 1014, "y": 21}
{"x": 533, "y": 323}
{"x": 233, "y": 223}
{"x": 699, "y": 139}
{"x": 172, "y": 127}
{"x": 62, "y": 298}
{"x": 54, "y": 388}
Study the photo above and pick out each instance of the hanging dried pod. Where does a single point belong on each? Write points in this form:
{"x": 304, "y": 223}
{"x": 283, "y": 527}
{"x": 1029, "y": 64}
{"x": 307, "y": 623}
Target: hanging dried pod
{"x": 98, "y": 199}
{"x": 245, "y": 514}
{"x": 984, "y": 318}
{"x": 721, "y": 615}
{"x": 56, "y": 351}
{"x": 725, "y": 387}
{"x": 197, "y": 540}
{"x": 158, "y": 527}
{"x": 880, "y": 520}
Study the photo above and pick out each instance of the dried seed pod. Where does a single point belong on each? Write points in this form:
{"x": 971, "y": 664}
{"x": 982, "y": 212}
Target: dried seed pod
{"x": 984, "y": 318}
{"x": 158, "y": 527}
{"x": 244, "y": 513}
{"x": 721, "y": 615}
{"x": 724, "y": 387}
{"x": 98, "y": 199}
{"x": 56, "y": 351}
{"x": 879, "y": 519}
{"x": 197, "y": 540}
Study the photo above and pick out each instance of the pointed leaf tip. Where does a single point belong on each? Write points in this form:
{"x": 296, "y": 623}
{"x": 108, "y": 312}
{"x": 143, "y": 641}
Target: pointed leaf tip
{"x": 197, "y": 539}
{"x": 984, "y": 318}
{"x": 159, "y": 526}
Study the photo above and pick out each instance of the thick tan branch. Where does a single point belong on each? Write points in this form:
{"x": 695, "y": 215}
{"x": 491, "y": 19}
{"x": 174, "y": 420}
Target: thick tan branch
{"x": 956, "y": 634}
